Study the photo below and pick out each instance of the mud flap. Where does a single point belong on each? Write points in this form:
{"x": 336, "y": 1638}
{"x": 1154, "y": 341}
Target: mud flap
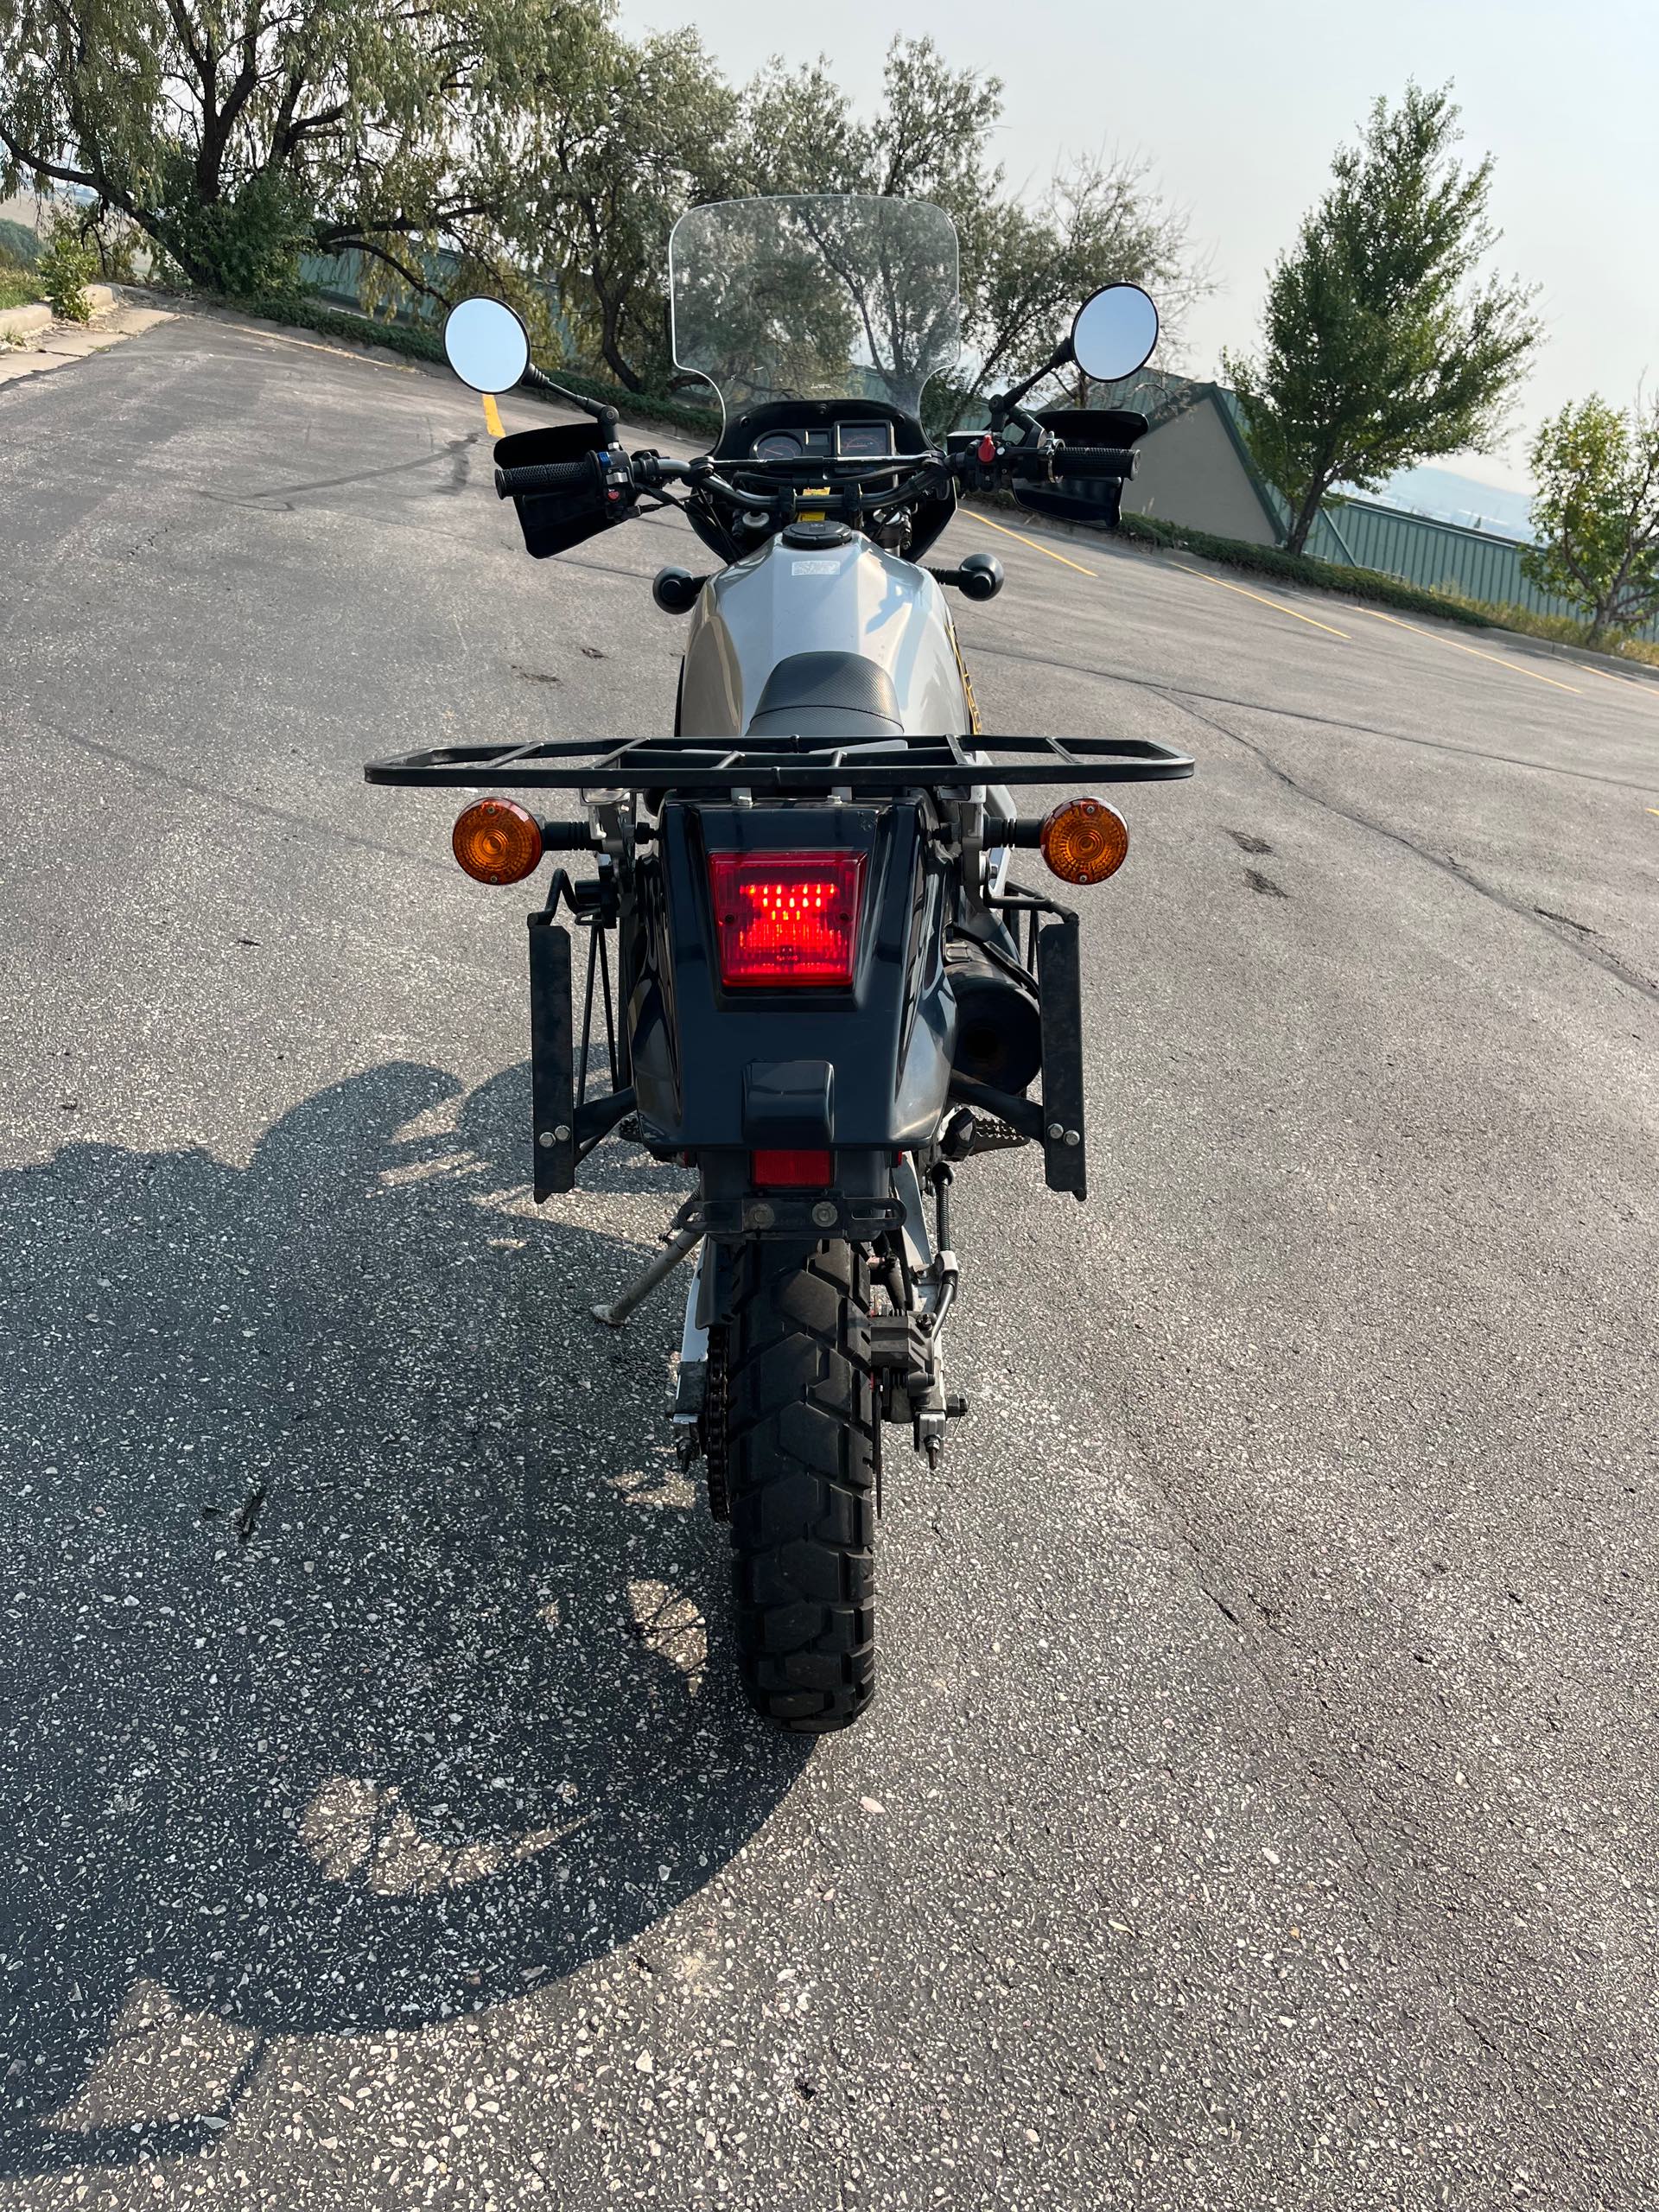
{"x": 552, "y": 1107}
{"x": 1060, "y": 988}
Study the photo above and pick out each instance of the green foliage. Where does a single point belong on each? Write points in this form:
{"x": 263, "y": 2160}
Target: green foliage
{"x": 639, "y": 134}
{"x": 1596, "y": 512}
{"x": 17, "y": 290}
{"x": 217, "y": 131}
{"x": 66, "y": 269}
{"x": 20, "y": 247}
{"x": 1381, "y": 346}
{"x": 421, "y": 343}
{"x": 524, "y": 147}
{"x": 1366, "y": 584}
{"x": 245, "y": 242}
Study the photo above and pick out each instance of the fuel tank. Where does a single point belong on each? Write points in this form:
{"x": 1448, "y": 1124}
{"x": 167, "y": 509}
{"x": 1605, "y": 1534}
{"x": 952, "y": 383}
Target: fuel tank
{"x": 821, "y": 589}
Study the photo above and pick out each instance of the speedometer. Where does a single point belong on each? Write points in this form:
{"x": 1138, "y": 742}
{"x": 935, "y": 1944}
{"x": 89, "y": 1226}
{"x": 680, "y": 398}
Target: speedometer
{"x": 779, "y": 445}
{"x": 864, "y": 440}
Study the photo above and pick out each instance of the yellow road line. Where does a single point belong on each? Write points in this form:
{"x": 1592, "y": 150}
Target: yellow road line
{"x": 492, "y": 416}
{"x": 1497, "y": 659}
{"x": 1653, "y": 809}
{"x": 1277, "y": 605}
{"x": 1032, "y": 542}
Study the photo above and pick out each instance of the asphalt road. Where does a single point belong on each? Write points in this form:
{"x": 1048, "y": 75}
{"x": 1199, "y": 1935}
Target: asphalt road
{"x": 1259, "y": 1809}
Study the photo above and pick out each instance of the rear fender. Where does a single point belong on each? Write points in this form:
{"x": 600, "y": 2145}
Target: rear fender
{"x": 865, "y": 1068}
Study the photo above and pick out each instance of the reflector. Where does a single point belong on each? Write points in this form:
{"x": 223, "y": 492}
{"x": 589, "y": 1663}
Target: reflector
{"x": 786, "y": 917}
{"x": 496, "y": 842}
{"x": 1084, "y": 841}
{"x": 789, "y": 1170}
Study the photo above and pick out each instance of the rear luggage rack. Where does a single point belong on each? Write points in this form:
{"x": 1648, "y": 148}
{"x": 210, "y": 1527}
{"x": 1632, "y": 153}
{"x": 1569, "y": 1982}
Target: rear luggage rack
{"x": 776, "y": 765}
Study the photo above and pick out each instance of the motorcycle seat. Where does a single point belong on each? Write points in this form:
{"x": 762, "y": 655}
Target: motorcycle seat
{"x": 827, "y": 696}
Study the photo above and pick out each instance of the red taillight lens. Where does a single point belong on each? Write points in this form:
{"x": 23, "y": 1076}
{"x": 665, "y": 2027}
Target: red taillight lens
{"x": 786, "y": 917}
{"x": 789, "y": 1170}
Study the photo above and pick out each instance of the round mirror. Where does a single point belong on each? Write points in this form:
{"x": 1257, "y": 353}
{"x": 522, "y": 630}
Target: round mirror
{"x": 487, "y": 345}
{"x": 1115, "y": 333}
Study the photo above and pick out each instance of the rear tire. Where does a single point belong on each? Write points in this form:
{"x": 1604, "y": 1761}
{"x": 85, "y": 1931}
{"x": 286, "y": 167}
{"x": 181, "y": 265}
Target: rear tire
{"x": 800, "y": 1462}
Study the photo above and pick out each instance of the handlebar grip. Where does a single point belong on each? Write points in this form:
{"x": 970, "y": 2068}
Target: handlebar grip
{"x": 581, "y": 475}
{"x": 1118, "y": 461}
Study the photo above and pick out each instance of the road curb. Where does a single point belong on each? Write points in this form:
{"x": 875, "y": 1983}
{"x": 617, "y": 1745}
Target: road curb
{"x": 1614, "y": 663}
{"x": 17, "y": 323}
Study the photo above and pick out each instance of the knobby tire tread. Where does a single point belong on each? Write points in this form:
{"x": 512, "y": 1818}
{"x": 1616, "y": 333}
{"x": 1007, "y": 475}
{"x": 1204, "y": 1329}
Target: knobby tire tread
{"x": 802, "y": 1417}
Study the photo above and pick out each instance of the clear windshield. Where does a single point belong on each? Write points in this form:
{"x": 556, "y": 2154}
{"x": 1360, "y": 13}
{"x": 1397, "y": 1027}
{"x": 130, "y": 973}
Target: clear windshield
{"x": 826, "y": 296}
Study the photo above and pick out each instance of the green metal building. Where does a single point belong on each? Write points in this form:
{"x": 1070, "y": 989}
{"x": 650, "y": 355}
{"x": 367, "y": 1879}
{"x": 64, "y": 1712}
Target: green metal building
{"x": 1197, "y": 469}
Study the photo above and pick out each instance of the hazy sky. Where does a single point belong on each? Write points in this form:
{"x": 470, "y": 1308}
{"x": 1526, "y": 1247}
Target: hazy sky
{"x": 1238, "y": 105}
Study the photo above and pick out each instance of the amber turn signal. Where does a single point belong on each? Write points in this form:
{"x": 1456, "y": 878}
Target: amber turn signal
{"x": 496, "y": 841}
{"x": 1084, "y": 841}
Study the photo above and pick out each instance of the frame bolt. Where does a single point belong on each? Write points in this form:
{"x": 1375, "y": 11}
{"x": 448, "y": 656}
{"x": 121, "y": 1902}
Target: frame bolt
{"x": 1074, "y": 1136}
{"x": 825, "y": 1213}
{"x": 1057, "y": 1130}
{"x": 545, "y": 1140}
{"x": 561, "y": 1135}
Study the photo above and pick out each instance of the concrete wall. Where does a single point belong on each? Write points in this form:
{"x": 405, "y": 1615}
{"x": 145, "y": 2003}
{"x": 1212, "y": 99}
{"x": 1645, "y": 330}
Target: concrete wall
{"x": 1191, "y": 473}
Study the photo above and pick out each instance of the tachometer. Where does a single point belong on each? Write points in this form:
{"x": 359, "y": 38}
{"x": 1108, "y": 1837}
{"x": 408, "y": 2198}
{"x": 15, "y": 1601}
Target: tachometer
{"x": 779, "y": 445}
{"x": 864, "y": 440}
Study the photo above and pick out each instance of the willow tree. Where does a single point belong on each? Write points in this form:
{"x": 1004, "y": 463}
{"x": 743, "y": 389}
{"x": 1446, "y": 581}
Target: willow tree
{"x": 234, "y": 132}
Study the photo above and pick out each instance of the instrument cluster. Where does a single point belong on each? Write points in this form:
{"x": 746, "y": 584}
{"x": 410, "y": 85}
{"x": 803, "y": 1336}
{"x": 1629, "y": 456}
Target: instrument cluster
{"x": 831, "y": 442}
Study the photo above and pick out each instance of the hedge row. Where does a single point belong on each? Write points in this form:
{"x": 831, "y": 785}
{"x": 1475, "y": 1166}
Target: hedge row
{"x": 309, "y": 313}
{"x": 1302, "y": 568}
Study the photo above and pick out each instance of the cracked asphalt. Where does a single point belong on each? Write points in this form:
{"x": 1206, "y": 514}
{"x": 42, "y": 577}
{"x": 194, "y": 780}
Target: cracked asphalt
{"x": 1260, "y": 1806}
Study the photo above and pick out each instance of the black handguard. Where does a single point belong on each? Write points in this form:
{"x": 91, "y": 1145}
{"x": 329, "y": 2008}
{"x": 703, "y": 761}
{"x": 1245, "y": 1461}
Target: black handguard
{"x": 585, "y": 474}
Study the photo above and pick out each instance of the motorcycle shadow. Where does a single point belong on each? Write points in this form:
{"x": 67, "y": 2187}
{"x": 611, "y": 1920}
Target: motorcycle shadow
{"x": 359, "y": 1670}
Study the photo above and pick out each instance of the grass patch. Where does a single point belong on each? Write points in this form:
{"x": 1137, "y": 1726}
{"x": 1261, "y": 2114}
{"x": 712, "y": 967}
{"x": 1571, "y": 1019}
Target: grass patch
{"x": 1365, "y": 584}
{"x": 421, "y": 344}
{"x": 1559, "y": 629}
{"x": 18, "y": 290}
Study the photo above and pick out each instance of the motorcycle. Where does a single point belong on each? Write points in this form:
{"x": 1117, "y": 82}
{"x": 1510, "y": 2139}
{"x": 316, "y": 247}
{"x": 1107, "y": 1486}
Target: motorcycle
{"x": 830, "y": 991}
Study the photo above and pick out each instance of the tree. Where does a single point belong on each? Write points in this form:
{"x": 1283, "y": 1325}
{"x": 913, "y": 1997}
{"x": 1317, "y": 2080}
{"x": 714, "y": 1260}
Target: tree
{"x": 1026, "y": 272}
{"x": 1596, "y": 512}
{"x": 643, "y": 137}
{"x": 1380, "y": 345}
{"x": 233, "y": 132}
{"x": 1023, "y": 269}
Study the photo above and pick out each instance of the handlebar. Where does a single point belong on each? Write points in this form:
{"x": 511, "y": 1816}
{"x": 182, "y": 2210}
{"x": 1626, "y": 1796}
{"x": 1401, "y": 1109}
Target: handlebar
{"x": 615, "y": 476}
{"x": 1116, "y": 462}
{"x": 547, "y": 476}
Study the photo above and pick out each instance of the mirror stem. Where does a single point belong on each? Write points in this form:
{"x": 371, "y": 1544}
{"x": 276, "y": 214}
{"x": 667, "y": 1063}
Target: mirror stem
{"x": 1006, "y": 406}
{"x": 604, "y": 416}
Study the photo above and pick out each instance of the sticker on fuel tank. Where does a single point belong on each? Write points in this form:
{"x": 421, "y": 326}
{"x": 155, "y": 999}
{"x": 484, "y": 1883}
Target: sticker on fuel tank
{"x": 815, "y": 568}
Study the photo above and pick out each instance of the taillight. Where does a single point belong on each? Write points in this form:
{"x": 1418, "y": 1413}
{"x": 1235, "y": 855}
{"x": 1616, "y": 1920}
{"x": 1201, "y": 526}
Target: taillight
{"x": 786, "y": 917}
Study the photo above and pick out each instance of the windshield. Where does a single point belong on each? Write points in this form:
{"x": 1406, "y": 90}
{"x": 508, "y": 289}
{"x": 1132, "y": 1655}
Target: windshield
{"x": 822, "y": 296}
